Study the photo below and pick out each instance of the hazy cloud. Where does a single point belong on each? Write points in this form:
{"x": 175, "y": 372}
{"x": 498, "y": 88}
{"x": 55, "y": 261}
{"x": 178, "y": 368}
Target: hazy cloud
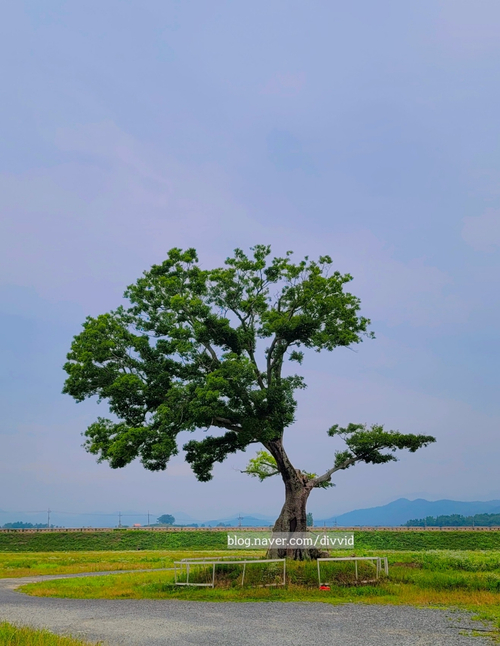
{"x": 468, "y": 29}
{"x": 285, "y": 85}
{"x": 482, "y": 232}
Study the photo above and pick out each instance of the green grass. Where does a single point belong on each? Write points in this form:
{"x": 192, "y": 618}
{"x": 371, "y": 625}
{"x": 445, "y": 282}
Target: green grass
{"x": 468, "y": 580}
{"x": 123, "y": 539}
{"x": 119, "y": 539}
{"x": 428, "y": 540}
{"x": 20, "y": 636}
{"x": 15, "y": 564}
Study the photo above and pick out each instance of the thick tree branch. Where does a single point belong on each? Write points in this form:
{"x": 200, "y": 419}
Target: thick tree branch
{"x": 328, "y": 474}
{"x": 258, "y": 375}
{"x": 211, "y": 351}
{"x": 270, "y": 362}
{"x": 285, "y": 467}
{"x": 223, "y": 422}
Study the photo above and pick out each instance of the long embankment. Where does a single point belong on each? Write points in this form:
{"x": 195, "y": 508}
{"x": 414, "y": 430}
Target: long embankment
{"x": 176, "y": 538}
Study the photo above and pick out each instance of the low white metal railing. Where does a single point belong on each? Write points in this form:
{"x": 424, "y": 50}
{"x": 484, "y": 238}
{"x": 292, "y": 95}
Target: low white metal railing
{"x": 188, "y": 563}
{"x": 377, "y": 561}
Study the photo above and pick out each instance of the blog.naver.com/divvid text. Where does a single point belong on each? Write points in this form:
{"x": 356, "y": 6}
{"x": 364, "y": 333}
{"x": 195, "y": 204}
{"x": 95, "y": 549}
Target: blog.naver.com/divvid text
{"x": 290, "y": 540}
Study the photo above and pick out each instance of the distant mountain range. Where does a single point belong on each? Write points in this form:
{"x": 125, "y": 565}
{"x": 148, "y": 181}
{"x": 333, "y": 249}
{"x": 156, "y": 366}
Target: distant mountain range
{"x": 400, "y": 511}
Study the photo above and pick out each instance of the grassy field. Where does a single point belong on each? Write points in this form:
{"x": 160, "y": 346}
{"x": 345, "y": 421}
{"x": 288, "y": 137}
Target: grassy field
{"x": 462, "y": 579}
{"x": 19, "y": 636}
{"x": 200, "y": 540}
{"x": 14, "y": 564}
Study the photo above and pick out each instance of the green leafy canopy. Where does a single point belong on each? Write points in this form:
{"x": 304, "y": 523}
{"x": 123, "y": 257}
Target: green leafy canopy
{"x": 198, "y": 349}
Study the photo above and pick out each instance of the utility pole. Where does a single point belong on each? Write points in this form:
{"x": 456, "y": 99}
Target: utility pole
{"x": 48, "y": 518}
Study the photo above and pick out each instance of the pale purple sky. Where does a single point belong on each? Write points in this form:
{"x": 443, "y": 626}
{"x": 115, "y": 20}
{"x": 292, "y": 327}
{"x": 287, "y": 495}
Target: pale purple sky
{"x": 367, "y": 131}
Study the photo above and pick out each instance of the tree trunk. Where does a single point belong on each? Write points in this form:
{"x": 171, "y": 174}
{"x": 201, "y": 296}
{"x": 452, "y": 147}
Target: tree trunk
{"x": 293, "y": 516}
{"x": 292, "y": 519}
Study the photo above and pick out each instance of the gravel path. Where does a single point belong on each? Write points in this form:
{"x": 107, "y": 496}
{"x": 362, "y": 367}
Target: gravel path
{"x": 131, "y": 622}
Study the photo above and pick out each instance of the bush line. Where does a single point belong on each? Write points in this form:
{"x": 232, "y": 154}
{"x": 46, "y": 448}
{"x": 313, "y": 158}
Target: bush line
{"x": 199, "y": 540}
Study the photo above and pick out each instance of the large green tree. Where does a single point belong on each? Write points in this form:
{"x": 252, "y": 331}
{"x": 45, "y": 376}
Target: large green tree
{"x": 166, "y": 519}
{"x": 211, "y": 349}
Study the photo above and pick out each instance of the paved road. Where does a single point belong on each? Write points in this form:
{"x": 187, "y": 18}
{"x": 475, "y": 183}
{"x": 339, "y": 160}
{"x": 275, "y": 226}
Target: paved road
{"x": 130, "y": 622}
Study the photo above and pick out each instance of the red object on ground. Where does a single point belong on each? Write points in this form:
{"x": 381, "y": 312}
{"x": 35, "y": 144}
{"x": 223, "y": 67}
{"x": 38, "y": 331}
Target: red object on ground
{"x": 324, "y": 587}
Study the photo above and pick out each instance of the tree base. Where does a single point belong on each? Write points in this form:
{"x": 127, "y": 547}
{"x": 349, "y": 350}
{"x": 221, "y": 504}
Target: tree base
{"x": 297, "y": 554}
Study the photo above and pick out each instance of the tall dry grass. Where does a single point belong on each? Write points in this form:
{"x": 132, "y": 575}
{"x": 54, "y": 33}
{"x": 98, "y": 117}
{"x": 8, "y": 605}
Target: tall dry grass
{"x": 11, "y": 635}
